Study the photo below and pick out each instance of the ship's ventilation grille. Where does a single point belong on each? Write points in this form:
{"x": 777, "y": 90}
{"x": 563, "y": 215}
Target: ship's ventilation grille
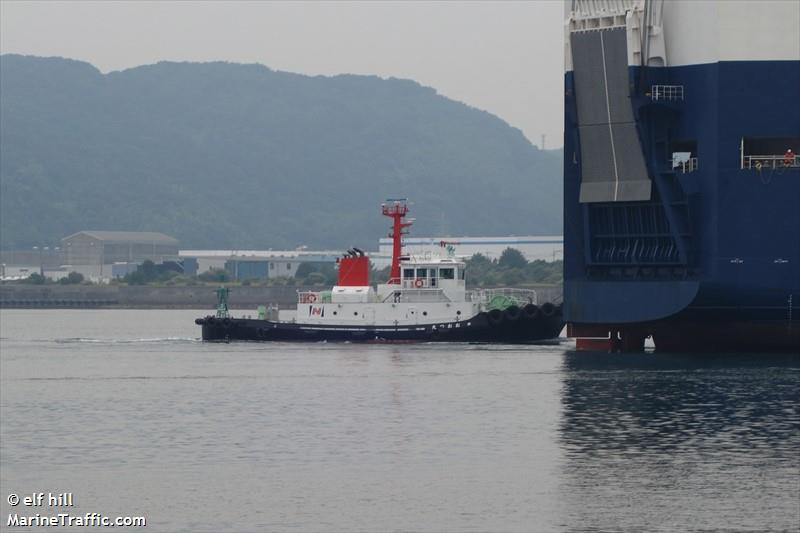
{"x": 612, "y": 162}
{"x": 631, "y": 234}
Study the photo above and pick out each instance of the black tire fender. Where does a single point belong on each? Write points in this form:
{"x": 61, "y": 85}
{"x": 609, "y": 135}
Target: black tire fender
{"x": 495, "y": 317}
{"x": 512, "y": 313}
{"x": 531, "y": 311}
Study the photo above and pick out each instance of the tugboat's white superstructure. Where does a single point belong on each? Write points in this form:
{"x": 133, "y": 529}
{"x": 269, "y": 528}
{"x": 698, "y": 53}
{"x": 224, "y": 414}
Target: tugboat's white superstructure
{"x": 425, "y": 298}
{"x": 431, "y": 290}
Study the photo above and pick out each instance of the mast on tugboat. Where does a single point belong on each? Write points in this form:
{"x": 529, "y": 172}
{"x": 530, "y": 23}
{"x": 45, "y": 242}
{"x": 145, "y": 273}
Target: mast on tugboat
{"x": 397, "y": 210}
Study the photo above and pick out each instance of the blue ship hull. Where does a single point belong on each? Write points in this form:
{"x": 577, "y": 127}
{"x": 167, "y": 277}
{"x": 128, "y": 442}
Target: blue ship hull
{"x": 712, "y": 259}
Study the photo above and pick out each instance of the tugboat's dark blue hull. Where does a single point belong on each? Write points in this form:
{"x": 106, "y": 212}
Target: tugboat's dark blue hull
{"x": 500, "y": 327}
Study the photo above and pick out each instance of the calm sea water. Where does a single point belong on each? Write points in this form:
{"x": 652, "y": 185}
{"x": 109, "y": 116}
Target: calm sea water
{"x": 132, "y": 414}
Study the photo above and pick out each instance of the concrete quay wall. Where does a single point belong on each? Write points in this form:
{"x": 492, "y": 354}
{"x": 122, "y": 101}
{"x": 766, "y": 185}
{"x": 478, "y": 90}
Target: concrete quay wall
{"x": 97, "y": 296}
{"x": 145, "y": 297}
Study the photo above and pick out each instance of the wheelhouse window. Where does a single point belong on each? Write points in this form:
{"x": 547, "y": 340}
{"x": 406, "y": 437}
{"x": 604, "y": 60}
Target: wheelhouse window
{"x": 461, "y": 274}
{"x": 408, "y": 273}
{"x": 422, "y": 273}
{"x": 447, "y": 273}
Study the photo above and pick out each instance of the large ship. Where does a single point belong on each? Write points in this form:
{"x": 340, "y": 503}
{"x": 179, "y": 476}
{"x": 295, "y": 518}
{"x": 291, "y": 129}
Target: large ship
{"x": 681, "y": 184}
{"x": 425, "y": 299}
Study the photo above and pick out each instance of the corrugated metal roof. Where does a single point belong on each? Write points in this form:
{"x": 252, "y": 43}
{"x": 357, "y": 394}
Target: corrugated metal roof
{"x": 127, "y": 236}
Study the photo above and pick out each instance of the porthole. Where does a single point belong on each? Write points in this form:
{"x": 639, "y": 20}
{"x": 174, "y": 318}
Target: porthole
{"x": 355, "y": 313}
{"x": 424, "y": 313}
{"x": 458, "y": 312}
{"x": 334, "y": 312}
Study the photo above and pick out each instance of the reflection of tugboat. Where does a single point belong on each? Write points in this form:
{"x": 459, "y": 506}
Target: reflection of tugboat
{"x": 425, "y": 299}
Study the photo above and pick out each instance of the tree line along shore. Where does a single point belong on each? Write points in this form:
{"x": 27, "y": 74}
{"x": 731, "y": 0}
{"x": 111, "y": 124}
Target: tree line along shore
{"x": 150, "y": 287}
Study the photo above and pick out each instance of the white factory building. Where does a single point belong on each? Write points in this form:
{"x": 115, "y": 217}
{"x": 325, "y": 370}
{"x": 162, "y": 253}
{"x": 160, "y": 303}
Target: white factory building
{"x": 273, "y": 263}
{"x": 244, "y": 264}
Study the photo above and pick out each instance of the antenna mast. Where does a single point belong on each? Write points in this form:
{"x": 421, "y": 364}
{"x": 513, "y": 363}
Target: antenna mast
{"x": 396, "y": 209}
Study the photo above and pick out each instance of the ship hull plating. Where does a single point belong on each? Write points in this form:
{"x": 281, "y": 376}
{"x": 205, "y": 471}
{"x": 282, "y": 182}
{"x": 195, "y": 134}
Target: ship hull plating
{"x": 737, "y": 286}
{"x": 681, "y": 335}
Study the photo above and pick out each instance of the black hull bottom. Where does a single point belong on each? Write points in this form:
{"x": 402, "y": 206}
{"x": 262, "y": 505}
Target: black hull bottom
{"x": 686, "y": 336}
{"x": 480, "y": 328}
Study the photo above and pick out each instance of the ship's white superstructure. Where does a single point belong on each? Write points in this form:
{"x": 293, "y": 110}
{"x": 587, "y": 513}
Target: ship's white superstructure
{"x": 693, "y": 32}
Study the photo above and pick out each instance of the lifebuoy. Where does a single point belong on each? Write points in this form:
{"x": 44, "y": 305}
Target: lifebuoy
{"x": 418, "y": 283}
{"x": 311, "y": 298}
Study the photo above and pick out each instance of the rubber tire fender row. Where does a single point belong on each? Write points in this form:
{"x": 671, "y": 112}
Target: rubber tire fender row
{"x": 512, "y": 313}
{"x": 495, "y": 317}
{"x": 531, "y": 311}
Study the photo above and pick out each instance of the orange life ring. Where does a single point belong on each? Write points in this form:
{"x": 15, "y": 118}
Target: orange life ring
{"x": 418, "y": 283}
{"x": 311, "y": 298}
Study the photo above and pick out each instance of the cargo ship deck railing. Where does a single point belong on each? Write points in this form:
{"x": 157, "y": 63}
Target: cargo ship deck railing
{"x": 757, "y": 162}
{"x": 666, "y": 92}
{"x": 685, "y": 166}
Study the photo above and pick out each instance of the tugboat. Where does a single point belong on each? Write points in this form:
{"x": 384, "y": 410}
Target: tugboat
{"x": 424, "y": 300}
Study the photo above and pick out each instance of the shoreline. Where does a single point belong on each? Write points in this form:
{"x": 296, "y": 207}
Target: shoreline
{"x": 20, "y": 296}
{"x": 138, "y": 297}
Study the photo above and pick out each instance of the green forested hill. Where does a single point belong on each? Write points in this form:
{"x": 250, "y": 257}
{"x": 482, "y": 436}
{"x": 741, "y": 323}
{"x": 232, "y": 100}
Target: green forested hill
{"x": 241, "y": 156}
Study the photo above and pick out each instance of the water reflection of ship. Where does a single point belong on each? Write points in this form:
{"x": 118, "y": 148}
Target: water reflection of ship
{"x": 671, "y": 442}
{"x": 665, "y": 403}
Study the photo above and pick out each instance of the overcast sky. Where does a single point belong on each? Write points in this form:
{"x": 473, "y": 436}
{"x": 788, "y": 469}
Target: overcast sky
{"x": 504, "y": 57}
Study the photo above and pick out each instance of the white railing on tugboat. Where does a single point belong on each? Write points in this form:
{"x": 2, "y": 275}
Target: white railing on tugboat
{"x": 416, "y": 295}
{"x": 308, "y": 297}
{"x": 666, "y": 92}
{"x": 757, "y": 162}
{"x": 520, "y": 297}
{"x": 421, "y": 283}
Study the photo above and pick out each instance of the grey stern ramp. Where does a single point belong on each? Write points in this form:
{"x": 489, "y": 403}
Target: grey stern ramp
{"x": 613, "y": 168}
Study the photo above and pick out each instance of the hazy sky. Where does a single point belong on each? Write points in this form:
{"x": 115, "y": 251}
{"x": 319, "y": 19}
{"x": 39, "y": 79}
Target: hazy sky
{"x": 504, "y": 57}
